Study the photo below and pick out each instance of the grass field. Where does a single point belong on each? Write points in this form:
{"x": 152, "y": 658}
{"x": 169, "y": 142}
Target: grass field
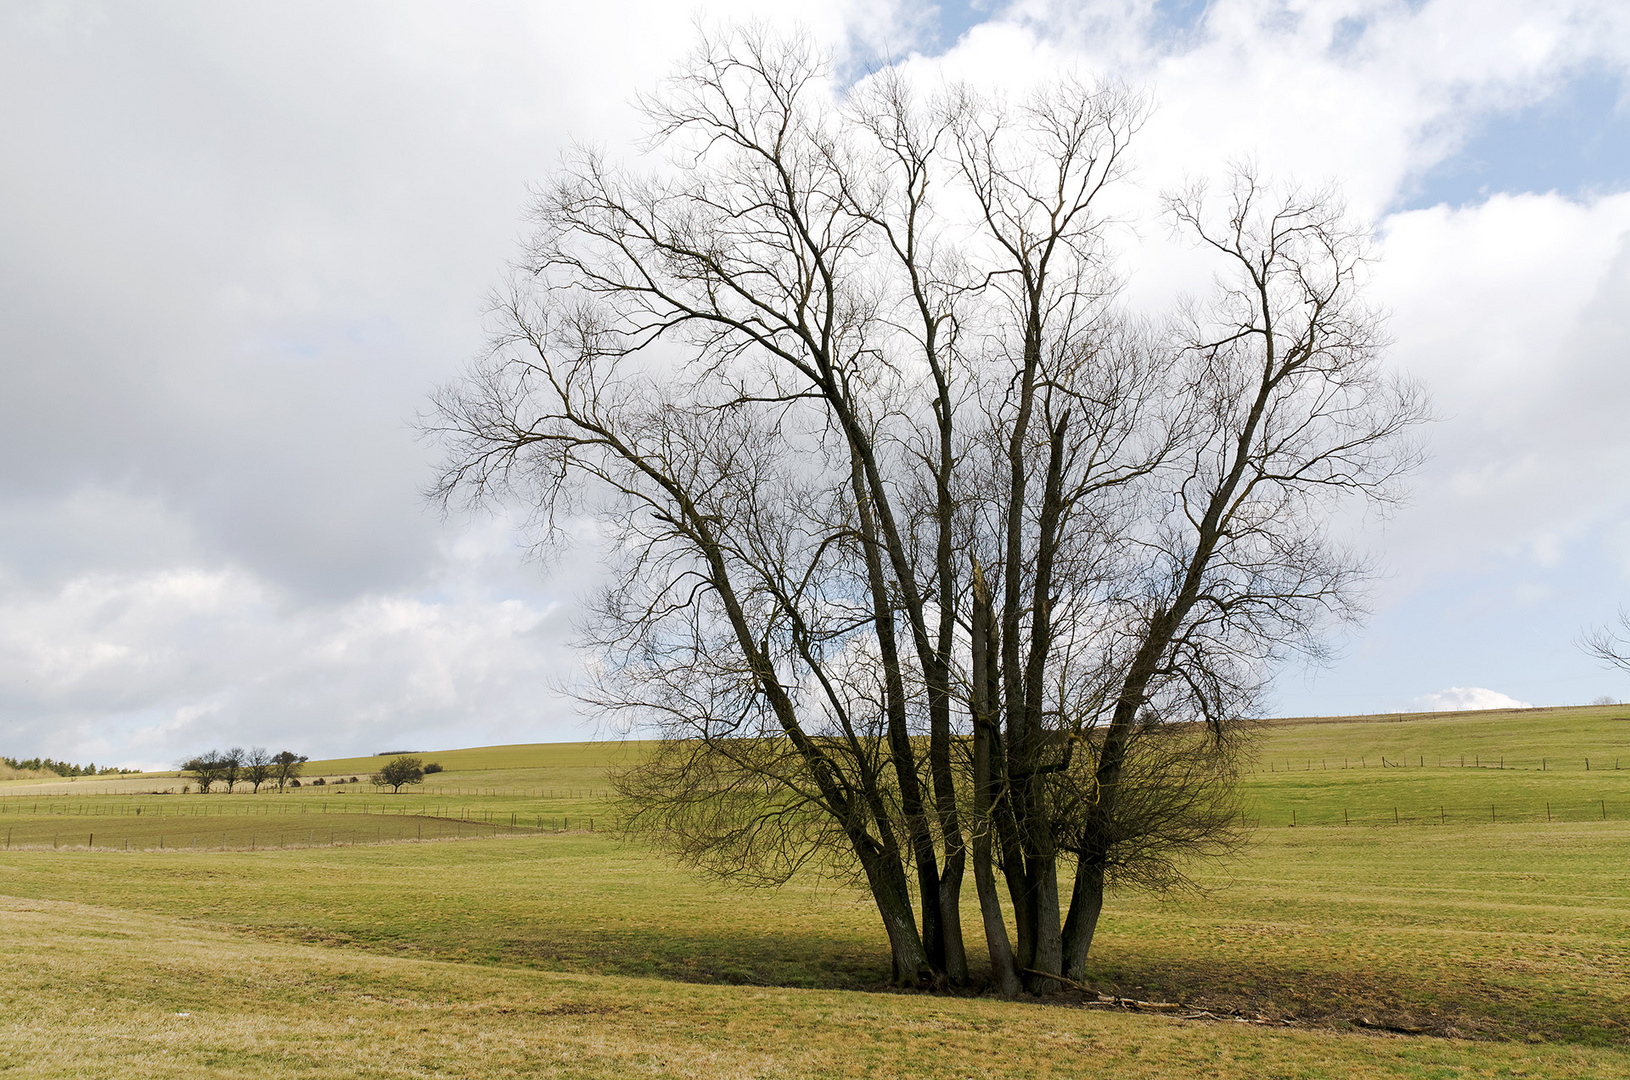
{"x": 539, "y": 947}
{"x": 1531, "y": 765}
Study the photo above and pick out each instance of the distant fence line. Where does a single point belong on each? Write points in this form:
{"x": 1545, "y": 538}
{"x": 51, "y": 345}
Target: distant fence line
{"x": 1495, "y": 762}
{"x": 1493, "y": 813}
{"x": 547, "y": 794}
{"x": 337, "y": 836}
{"x": 490, "y": 815}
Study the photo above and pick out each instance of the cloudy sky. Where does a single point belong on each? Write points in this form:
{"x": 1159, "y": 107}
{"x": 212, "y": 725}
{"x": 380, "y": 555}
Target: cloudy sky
{"x": 240, "y": 243}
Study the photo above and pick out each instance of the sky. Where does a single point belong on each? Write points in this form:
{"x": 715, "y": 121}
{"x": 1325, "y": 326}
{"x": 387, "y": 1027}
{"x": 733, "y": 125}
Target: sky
{"x": 240, "y": 245}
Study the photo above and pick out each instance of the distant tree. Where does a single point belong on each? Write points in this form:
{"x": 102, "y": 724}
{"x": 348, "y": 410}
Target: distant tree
{"x": 258, "y": 767}
{"x": 206, "y": 768}
{"x": 432, "y": 767}
{"x": 286, "y": 768}
{"x": 232, "y": 766}
{"x": 63, "y": 768}
{"x": 400, "y": 771}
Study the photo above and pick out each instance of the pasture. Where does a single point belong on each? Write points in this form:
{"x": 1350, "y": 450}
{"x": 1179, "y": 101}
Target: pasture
{"x": 476, "y": 927}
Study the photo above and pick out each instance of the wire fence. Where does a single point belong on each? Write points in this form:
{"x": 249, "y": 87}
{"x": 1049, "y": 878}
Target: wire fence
{"x": 1475, "y": 760}
{"x": 1444, "y": 814}
{"x": 266, "y": 832}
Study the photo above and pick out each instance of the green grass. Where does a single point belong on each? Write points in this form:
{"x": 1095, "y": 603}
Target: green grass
{"x": 569, "y": 953}
{"x": 1563, "y": 737}
{"x": 1519, "y": 766}
{"x": 90, "y": 991}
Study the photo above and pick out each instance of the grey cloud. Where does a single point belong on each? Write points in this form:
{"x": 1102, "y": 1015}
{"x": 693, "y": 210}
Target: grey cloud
{"x": 237, "y": 252}
{"x": 238, "y": 245}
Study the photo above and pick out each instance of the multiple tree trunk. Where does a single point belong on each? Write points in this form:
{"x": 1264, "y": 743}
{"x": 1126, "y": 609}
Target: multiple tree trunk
{"x": 922, "y": 556}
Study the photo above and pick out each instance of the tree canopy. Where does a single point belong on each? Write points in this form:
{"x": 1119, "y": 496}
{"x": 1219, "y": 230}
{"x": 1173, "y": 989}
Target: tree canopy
{"x": 398, "y": 772}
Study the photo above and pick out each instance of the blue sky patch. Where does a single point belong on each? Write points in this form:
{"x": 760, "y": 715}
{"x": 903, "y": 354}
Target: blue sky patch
{"x": 957, "y": 17}
{"x": 1574, "y": 142}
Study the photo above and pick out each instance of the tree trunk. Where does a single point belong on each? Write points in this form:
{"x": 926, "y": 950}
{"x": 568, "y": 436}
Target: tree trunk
{"x": 887, "y": 880}
{"x": 1048, "y": 956}
{"x": 930, "y": 887}
{"x": 1004, "y": 968}
{"x": 1086, "y": 904}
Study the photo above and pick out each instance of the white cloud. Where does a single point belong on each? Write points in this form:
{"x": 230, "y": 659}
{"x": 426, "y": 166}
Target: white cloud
{"x": 1372, "y": 92}
{"x": 1513, "y": 313}
{"x": 143, "y": 668}
{"x": 238, "y": 244}
{"x": 1458, "y": 698}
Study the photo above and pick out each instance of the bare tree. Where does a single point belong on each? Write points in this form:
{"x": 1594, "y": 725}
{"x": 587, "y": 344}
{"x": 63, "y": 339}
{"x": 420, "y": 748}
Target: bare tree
{"x": 258, "y": 767}
{"x": 399, "y": 771}
{"x": 206, "y": 769}
{"x": 232, "y": 763}
{"x": 1611, "y": 643}
{"x": 286, "y": 766}
{"x": 927, "y": 557}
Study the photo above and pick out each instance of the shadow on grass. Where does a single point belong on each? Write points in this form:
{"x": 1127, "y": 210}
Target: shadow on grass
{"x": 1471, "y": 1007}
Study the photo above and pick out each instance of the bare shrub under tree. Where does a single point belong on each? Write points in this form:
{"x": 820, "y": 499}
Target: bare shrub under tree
{"x": 927, "y": 559}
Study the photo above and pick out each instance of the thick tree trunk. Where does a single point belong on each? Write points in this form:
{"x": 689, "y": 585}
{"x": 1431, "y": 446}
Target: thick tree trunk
{"x": 1018, "y": 887}
{"x": 950, "y": 904}
{"x": 986, "y": 767}
{"x": 1086, "y": 904}
{"x": 1004, "y": 971}
{"x": 939, "y": 705}
{"x": 930, "y": 887}
{"x": 1048, "y": 956}
{"x": 887, "y": 880}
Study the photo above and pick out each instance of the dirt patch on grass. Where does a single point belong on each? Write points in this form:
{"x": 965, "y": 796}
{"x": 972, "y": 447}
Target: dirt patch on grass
{"x": 1471, "y": 1008}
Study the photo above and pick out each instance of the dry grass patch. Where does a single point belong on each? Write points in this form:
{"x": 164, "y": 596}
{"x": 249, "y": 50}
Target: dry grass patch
{"x": 90, "y": 992}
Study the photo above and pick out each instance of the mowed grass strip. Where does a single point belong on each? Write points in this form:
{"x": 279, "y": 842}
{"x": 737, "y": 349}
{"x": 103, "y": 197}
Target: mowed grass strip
{"x": 564, "y": 902}
{"x": 88, "y": 991}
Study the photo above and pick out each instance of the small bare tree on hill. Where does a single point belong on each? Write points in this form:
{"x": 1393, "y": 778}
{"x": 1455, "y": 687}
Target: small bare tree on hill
{"x": 929, "y": 559}
{"x": 287, "y": 765}
{"x": 232, "y": 763}
{"x": 258, "y": 767}
{"x": 206, "y": 768}
{"x": 398, "y": 772}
